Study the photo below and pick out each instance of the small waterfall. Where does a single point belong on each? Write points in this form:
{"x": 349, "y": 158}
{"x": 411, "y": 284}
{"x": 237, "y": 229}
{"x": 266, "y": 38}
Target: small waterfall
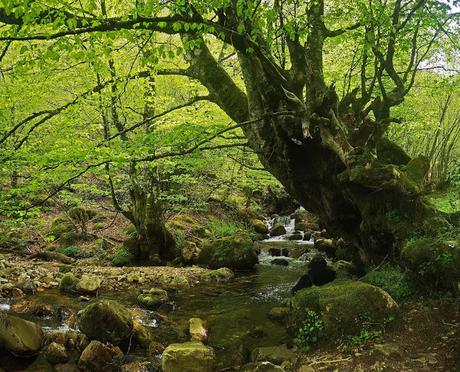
{"x": 291, "y": 233}
{"x": 289, "y": 249}
{"x": 4, "y": 306}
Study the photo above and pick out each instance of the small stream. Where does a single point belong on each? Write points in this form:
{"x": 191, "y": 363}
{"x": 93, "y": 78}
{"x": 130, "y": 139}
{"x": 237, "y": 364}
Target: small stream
{"x": 236, "y": 311}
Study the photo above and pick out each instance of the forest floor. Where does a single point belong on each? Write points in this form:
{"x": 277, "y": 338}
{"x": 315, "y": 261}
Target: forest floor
{"x": 425, "y": 337}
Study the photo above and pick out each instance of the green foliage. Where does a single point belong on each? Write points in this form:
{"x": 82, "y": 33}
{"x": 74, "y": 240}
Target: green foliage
{"x": 180, "y": 239}
{"x": 392, "y": 280}
{"x": 309, "y": 331}
{"x": 447, "y": 201}
{"x": 366, "y": 335}
{"x": 221, "y": 228}
{"x": 123, "y": 258}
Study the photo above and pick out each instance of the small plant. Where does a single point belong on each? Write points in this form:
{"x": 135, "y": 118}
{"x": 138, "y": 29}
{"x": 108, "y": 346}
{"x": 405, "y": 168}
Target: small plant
{"x": 366, "y": 335}
{"x": 309, "y": 331}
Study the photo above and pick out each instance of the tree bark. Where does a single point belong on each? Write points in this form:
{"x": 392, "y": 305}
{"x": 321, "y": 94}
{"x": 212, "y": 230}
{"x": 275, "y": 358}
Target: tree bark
{"x": 362, "y": 186}
{"x": 334, "y": 162}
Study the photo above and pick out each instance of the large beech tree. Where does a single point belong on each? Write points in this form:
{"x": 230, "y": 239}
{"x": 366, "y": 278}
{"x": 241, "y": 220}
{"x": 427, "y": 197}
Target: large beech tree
{"x": 326, "y": 146}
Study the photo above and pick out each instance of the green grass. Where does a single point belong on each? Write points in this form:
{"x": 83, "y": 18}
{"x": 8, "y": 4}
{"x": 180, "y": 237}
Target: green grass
{"x": 446, "y": 201}
{"x": 221, "y": 228}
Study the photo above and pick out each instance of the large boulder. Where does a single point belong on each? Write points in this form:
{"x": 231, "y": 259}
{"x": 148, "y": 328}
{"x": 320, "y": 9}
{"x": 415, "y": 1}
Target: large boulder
{"x": 106, "y": 321}
{"x": 343, "y": 307}
{"x": 235, "y": 252}
{"x": 188, "y": 357}
{"x": 438, "y": 262}
{"x": 99, "y": 357}
{"x": 20, "y": 336}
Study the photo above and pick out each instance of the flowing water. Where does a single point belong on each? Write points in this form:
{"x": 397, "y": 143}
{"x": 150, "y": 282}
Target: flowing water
{"x": 236, "y": 311}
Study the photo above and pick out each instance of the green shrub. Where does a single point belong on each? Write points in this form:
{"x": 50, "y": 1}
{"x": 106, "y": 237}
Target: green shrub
{"x": 123, "y": 258}
{"x": 392, "y": 280}
{"x": 309, "y": 331}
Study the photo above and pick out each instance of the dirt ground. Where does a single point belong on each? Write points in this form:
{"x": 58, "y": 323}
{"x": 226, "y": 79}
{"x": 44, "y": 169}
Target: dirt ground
{"x": 426, "y": 337}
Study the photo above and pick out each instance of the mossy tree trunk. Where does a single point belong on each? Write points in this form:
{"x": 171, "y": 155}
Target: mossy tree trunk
{"x": 330, "y": 154}
{"x": 151, "y": 242}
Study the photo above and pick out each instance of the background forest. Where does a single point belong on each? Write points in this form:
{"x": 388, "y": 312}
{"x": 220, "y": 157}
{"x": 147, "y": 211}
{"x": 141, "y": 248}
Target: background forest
{"x": 213, "y": 177}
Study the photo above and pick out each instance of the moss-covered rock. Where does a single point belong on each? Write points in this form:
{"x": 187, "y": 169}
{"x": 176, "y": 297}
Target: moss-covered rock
{"x": 259, "y": 226}
{"x": 274, "y": 354}
{"x": 99, "y": 357}
{"x": 190, "y": 251}
{"x": 198, "y": 330}
{"x": 68, "y": 238}
{"x": 123, "y": 258}
{"x": 305, "y": 221}
{"x": 261, "y": 367}
{"x": 222, "y": 274}
{"x": 56, "y": 353}
{"x": 20, "y": 336}
{"x": 235, "y": 252}
{"x": 278, "y": 314}
{"x": 106, "y": 321}
{"x": 68, "y": 282}
{"x": 153, "y": 298}
{"x": 277, "y": 230}
{"x": 188, "y": 357}
{"x": 142, "y": 335}
{"x": 79, "y": 214}
{"x": 88, "y": 283}
{"x": 61, "y": 225}
{"x": 343, "y": 307}
{"x": 435, "y": 261}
